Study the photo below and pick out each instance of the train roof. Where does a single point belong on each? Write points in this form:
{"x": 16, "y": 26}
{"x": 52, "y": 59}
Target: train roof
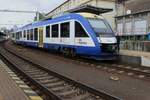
{"x": 54, "y": 20}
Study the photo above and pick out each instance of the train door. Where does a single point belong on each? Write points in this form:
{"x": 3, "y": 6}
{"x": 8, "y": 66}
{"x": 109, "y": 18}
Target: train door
{"x": 72, "y": 32}
{"x": 67, "y": 33}
{"x": 41, "y": 31}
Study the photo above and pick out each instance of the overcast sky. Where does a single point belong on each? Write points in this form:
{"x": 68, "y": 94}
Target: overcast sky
{"x": 31, "y": 5}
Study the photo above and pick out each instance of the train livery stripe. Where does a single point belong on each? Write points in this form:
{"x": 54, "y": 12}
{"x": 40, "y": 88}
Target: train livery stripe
{"x": 27, "y": 90}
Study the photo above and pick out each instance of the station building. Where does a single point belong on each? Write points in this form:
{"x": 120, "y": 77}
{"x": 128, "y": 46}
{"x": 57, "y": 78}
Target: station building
{"x": 133, "y": 24}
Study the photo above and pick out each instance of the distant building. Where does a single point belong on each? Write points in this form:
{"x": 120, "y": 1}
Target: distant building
{"x": 133, "y": 17}
{"x": 70, "y": 4}
{"x": 133, "y": 23}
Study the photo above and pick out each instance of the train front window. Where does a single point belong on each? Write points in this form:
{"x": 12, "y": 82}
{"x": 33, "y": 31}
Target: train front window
{"x": 100, "y": 27}
{"x": 79, "y": 30}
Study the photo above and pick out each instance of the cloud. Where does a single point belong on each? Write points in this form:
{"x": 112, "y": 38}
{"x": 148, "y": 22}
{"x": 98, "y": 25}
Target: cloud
{"x": 31, "y": 5}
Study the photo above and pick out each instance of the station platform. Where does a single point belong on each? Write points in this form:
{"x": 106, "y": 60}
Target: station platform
{"x": 12, "y": 88}
{"x": 135, "y": 57}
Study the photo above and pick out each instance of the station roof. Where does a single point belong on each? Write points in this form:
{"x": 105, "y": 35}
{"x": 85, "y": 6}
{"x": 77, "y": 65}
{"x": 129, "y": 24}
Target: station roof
{"x": 90, "y": 9}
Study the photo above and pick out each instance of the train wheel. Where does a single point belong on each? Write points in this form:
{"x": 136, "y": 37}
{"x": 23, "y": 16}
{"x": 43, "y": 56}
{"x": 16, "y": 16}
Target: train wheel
{"x": 63, "y": 51}
{"x": 66, "y": 51}
{"x": 72, "y": 53}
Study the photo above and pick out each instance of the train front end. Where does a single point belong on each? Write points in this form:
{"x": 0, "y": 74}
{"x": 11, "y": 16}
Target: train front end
{"x": 105, "y": 36}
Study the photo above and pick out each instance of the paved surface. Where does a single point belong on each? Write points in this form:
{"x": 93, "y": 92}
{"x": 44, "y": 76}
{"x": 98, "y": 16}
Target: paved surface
{"x": 127, "y": 88}
{"x": 8, "y": 88}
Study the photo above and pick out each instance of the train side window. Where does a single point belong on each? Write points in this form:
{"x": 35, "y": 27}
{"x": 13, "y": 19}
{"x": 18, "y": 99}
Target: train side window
{"x": 47, "y": 31}
{"x": 35, "y": 34}
{"x": 65, "y": 29}
{"x": 55, "y": 30}
{"x": 28, "y": 32}
{"x": 20, "y": 34}
{"x": 79, "y": 30}
{"x": 13, "y": 35}
{"x": 17, "y": 35}
{"x": 31, "y": 34}
{"x": 24, "y": 34}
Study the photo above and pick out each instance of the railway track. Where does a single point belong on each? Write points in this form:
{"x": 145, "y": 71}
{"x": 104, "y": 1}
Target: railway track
{"x": 50, "y": 84}
{"x": 132, "y": 70}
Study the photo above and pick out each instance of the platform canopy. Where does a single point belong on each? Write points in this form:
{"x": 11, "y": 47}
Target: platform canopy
{"x": 90, "y": 9}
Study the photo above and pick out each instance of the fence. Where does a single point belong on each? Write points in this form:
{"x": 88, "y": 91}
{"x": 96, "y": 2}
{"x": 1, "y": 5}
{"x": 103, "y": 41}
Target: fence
{"x": 135, "y": 45}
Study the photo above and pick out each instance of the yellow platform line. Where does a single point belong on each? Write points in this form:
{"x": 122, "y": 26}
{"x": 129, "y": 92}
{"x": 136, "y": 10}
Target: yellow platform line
{"x": 35, "y": 98}
{"x": 28, "y": 91}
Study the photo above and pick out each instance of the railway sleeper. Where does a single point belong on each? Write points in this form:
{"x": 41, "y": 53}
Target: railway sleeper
{"x": 81, "y": 97}
{"x": 32, "y": 71}
{"x": 49, "y": 81}
{"x": 37, "y": 76}
{"x": 60, "y": 83}
{"x": 44, "y": 78}
{"x": 92, "y": 97}
{"x": 60, "y": 88}
{"x": 38, "y": 73}
{"x": 68, "y": 94}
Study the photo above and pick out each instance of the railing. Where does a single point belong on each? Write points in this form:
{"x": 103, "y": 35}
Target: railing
{"x": 129, "y": 31}
{"x": 135, "y": 45}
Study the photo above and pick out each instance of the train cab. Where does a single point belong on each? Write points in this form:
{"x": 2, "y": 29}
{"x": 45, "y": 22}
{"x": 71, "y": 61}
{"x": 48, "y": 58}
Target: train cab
{"x": 104, "y": 33}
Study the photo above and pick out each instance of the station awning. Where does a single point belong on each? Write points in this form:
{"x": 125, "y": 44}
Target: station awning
{"x": 90, "y": 9}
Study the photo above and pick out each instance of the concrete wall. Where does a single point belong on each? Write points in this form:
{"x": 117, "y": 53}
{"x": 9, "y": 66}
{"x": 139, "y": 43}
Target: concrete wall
{"x": 133, "y": 5}
{"x": 131, "y": 60}
{"x": 135, "y": 60}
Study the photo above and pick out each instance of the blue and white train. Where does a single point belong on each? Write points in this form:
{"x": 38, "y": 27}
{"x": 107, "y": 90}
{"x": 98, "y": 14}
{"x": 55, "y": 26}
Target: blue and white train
{"x": 84, "y": 34}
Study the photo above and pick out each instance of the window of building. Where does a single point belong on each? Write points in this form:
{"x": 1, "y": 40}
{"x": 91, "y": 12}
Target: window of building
{"x": 140, "y": 27}
{"x": 65, "y": 29}
{"x": 31, "y": 34}
{"x": 119, "y": 28}
{"x": 47, "y": 31}
{"x": 128, "y": 28}
{"x": 79, "y": 31}
{"x": 55, "y": 30}
{"x": 36, "y": 34}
